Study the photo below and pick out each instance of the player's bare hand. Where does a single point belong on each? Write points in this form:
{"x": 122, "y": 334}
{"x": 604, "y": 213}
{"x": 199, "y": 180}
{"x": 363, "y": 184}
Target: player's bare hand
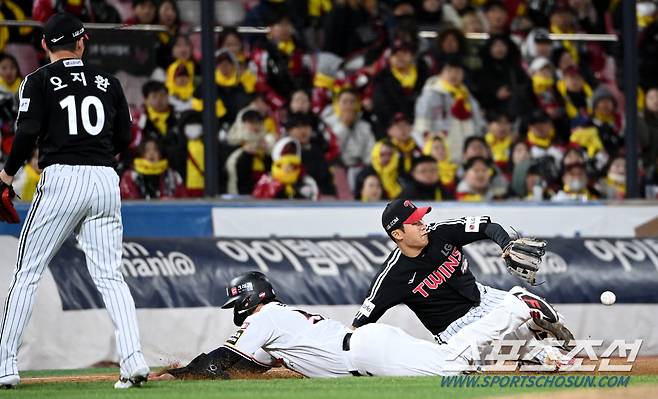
{"x": 161, "y": 377}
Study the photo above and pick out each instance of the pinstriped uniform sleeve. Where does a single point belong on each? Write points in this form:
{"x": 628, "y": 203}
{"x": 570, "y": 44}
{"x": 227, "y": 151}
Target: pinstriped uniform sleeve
{"x": 384, "y": 293}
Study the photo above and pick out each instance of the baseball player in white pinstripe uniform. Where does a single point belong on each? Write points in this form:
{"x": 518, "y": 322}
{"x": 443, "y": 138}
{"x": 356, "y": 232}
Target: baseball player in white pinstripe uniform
{"x": 429, "y": 273}
{"x": 79, "y": 117}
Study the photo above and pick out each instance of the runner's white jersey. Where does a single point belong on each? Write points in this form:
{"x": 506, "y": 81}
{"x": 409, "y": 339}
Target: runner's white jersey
{"x": 303, "y": 342}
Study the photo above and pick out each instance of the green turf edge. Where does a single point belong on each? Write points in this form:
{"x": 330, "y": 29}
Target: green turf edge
{"x": 344, "y": 388}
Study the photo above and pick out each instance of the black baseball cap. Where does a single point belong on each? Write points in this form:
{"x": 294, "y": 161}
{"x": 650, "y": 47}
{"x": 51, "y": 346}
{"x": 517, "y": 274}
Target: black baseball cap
{"x": 401, "y": 211}
{"x": 63, "y": 28}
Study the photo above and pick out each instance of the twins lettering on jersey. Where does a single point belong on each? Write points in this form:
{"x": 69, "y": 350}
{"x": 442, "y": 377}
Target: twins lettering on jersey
{"x": 440, "y": 275}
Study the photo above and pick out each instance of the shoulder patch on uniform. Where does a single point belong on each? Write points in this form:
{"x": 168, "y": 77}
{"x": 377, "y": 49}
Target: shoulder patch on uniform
{"x": 25, "y": 105}
{"x": 367, "y": 308}
{"x": 472, "y": 224}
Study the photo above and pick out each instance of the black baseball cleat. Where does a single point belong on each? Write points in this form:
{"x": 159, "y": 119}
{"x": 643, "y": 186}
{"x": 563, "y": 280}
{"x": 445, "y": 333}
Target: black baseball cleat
{"x": 540, "y": 309}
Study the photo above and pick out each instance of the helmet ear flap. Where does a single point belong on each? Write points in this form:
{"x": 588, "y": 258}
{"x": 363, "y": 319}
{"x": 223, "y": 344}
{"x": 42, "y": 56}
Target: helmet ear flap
{"x": 244, "y": 308}
{"x": 239, "y": 318}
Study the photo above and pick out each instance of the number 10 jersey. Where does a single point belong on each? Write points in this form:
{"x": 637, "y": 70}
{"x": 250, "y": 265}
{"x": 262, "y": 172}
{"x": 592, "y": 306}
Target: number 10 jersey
{"x": 79, "y": 113}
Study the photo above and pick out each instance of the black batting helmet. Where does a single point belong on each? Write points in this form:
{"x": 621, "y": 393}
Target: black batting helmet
{"x": 245, "y": 292}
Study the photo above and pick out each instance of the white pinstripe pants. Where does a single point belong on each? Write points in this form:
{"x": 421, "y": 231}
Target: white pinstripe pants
{"x": 490, "y": 298}
{"x": 72, "y": 199}
{"x": 382, "y": 350}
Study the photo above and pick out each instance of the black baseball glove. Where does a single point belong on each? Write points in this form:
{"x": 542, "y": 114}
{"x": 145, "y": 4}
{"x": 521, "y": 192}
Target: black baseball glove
{"x": 523, "y": 257}
{"x": 7, "y": 211}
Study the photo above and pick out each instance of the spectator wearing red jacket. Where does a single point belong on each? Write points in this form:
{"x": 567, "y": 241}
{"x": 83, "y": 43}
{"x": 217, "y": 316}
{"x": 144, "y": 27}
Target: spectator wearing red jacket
{"x": 150, "y": 176}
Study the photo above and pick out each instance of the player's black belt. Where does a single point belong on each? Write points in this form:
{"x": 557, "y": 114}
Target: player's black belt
{"x": 346, "y": 347}
{"x": 346, "y": 342}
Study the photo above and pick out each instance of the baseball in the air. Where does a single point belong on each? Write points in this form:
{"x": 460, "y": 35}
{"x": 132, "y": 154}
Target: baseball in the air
{"x": 608, "y": 298}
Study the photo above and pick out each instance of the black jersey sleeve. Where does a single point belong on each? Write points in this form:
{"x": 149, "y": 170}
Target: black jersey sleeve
{"x": 28, "y": 122}
{"x": 122, "y": 122}
{"x": 215, "y": 364}
{"x": 469, "y": 229}
{"x": 385, "y": 292}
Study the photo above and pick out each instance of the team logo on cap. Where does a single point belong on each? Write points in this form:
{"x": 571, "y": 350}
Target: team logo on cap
{"x": 409, "y": 204}
{"x": 234, "y": 291}
{"x": 78, "y": 33}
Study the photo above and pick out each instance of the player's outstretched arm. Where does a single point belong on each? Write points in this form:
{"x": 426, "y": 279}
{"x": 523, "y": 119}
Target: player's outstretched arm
{"x": 470, "y": 229}
{"x": 497, "y": 234}
{"x": 216, "y": 365}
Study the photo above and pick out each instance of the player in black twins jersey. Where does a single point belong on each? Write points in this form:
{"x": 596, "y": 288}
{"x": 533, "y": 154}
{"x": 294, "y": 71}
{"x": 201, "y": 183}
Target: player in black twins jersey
{"x": 429, "y": 273}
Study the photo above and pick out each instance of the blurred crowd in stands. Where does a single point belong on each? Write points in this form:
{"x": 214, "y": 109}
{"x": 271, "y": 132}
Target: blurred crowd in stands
{"x": 373, "y": 100}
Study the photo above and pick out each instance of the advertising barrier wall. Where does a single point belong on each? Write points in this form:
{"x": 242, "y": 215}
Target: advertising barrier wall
{"x": 187, "y": 273}
{"x": 178, "y": 284}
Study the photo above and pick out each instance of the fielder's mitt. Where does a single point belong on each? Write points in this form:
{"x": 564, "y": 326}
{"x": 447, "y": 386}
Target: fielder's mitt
{"x": 523, "y": 257}
{"x": 7, "y": 211}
